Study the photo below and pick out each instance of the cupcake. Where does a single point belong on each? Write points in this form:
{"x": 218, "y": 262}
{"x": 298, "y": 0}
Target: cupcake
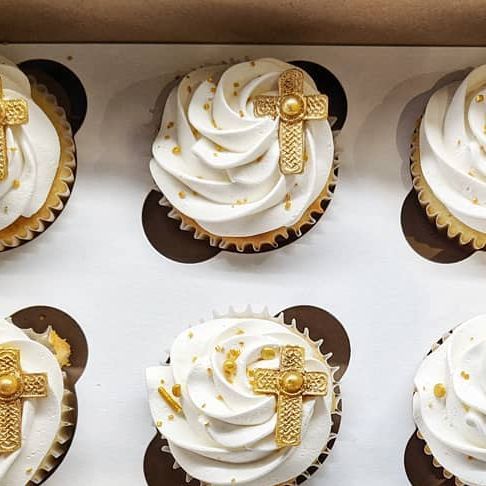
{"x": 245, "y": 399}
{"x": 449, "y": 403}
{"x": 36, "y": 418}
{"x": 449, "y": 160}
{"x": 36, "y": 157}
{"x": 245, "y": 154}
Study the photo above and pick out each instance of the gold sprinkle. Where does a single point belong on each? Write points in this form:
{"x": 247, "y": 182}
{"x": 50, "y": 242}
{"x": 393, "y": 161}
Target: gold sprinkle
{"x": 239, "y": 332}
{"x": 29, "y": 470}
{"x": 236, "y": 85}
{"x": 219, "y": 349}
{"x": 440, "y": 390}
{"x": 167, "y": 137}
{"x": 194, "y": 359}
{"x": 162, "y": 382}
{"x": 170, "y": 124}
{"x": 475, "y": 200}
{"x": 241, "y": 201}
{"x": 242, "y": 114}
{"x": 479, "y": 98}
{"x": 233, "y": 354}
{"x": 169, "y": 399}
{"x": 176, "y": 150}
{"x": 466, "y": 408}
{"x": 472, "y": 173}
{"x": 182, "y": 194}
{"x": 158, "y": 423}
{"x": 177, "y": 390}
{"x": 190, "y": 335}
{"x": 16, "y": 184}
{"x": 287, "y": 201}
{"x": 210, "y": 372}
{"x": 268, "y": 353}
{"x": 171, "y": 417}
{"x": 206, "y": 106}
{"x": 465, "y": 375}
{"x": 220, "y": 398}
{"x": 213, "y": 90}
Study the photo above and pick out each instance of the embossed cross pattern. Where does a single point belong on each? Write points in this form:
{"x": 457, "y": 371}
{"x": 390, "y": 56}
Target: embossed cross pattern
{"x": 12, "y": 112}
{"x": 293, "y": 108}
{"x": 290, "y": 383}
{"x": 14, "y": 387}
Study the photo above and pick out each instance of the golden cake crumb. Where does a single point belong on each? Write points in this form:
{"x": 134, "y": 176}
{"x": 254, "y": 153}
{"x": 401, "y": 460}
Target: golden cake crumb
{"x": 62, "y": 349}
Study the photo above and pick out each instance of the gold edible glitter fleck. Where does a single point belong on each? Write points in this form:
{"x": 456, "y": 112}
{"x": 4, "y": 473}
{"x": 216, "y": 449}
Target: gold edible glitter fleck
{"x": 170, "y": 124}
{"x": 176, "y": 150}
{"x": 465, "y": 375}
{"x": 475, "y": 200}
{"x": 268, "y": 353}
{"x": 16, "y": 184}
{"x": 182, "y": 194}
{"x": 169, "y": 399}
{"x": 240, "y": 331}
{"x": 466, "y": 408}
{"x": 158, "y": 423}
{"x": 287, "y": 201}
{"x": 220, "y": 398}
{"x": 176, "y": 390}
{"x": 440, "y": 390}
{"x": 190, "y": 335}
{"x": 210, "y": 372}
{"x": 219, "y": 349}
{"x": 166, "y": 137}
{"x": 479, "y": 98}
{"x": 472, "y": 173}
{"x": 242, "y": 114}
{"x": 206, "y": 106}
{"x": 171, "y": 417}
{"x": 194, "y": 359}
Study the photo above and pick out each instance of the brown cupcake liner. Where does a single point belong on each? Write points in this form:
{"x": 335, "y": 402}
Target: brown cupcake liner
{"x": 38, "y": 323}
{"x": 271, "y": 238}
{"x": 25, "y": 229}
{"x": 160, "y": 444}
{"x": 435, "y": 210}
{"x": 446, "y": 475}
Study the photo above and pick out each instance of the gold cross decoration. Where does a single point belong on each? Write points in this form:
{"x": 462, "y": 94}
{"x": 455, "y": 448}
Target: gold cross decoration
{"x": 14, "y": 387}
{"x": 293, "y": 108}
{"x": 290, "y": 383}
{"x": 12, "y": 112}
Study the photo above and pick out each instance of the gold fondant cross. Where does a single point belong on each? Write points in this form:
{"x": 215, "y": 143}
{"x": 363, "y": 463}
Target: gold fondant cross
{"x": 12, "y": 112}
{"x": 14, "y": 387}
{"x": 293, "y": 108}
{"x": 290, "y": 383}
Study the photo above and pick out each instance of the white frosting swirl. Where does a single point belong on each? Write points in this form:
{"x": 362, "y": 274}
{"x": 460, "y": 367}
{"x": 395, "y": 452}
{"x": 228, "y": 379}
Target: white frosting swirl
{"x": 453, "y": 148}
{"x": 33, "y": 153}
{"x": 41, "y": 417}
{"x": 454, "y": 426}
{"x": 226, "y": 176}
{"x": 227, "y": 432}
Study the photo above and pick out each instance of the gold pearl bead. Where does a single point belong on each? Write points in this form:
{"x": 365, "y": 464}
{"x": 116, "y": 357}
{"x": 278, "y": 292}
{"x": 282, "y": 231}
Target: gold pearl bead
{"x": 291, "y": 105}
{"x": 9, "y": 385}
{"x": 229, "y": 366}
{"x": 292, "y": 381}
{"x": 268, "y": 353}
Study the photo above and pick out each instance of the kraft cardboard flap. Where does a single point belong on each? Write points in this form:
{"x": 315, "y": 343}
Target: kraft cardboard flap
{"x": 381, "y": 22}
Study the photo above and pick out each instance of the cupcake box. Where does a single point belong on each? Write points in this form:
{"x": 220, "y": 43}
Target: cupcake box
{"x": 362, "y": 261}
